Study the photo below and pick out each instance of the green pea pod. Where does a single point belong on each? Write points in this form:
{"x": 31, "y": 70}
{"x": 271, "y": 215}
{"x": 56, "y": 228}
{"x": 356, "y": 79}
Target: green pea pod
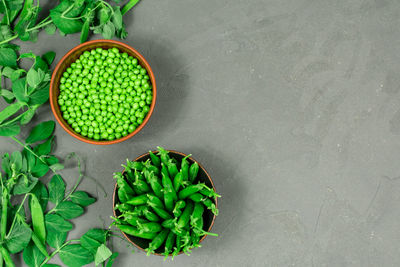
{"x": 169, "y": 200}
{"x": 168, "y": 187}
{"x": 190, "y": 190}
{"x": 128, "y": 171}
{"x": 178, "y": 181}
{"x": 138, "y": 200}
{"x": 151, "y": 168}
{"x": 170, "y": 223}
{"x": 193, "y": 171}
{"x": 197, "y": 215}
{"x": 133, "y": 231}
{"x": 163, "y": 155}
{"x": 123, "y": 207}
{"x": 122, "y": 195}
{"x": 6, "y": 257}
{"x": 185, "y": 168}
{"x": 211, "y": 206}
{"x": 186, "y": 242}
{"x": 154, "y": 184}
{"x": 121, "y": 182}
{"x": 185, "y": 217}
{"x": 195, "y": 240}
{"x": 136, "y": 211}
{"x": 149, "y": 227}
{"x": 172, "y": 168}
{"x": 208, "y": 192}
{"x": 161, "y": 212}
{"x": 37, "y": 219}
{"x": 178, "y": 208}
{"x": 197, "y": 197}
{"x": 140, "y": 186}
{"x": 151, "y": 216}
{"x": 169, "y": 244}
{"x": 154, "y": 201}
{"x": 136, "y": 165}
{"x": 41, "y": 246}
{"x": 155, "y": 159}
{"x": 133, "y": 220}
{"x": 178, "y": 246}
{"x": 157, "y": 241}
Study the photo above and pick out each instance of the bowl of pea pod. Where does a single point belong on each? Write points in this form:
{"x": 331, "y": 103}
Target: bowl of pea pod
{"x": 165, "y": 203}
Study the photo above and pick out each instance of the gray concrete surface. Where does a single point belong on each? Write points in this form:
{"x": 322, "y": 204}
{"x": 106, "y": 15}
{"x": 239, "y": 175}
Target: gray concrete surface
{"x": 293, "y": 108}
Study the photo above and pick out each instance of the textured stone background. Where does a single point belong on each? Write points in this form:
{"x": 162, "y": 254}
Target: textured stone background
{"x": 293, "y": 108}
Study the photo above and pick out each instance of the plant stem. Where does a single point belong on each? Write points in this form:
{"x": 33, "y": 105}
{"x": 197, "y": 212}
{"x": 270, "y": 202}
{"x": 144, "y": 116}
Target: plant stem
{"x": 9, "y": 39}
{"x": 4, "y": 210}
{"x": 41, "y": 24}
{"x": 78, "y": 181}
{"x": 16, "y": 214}
{"x": 6, "y": 11}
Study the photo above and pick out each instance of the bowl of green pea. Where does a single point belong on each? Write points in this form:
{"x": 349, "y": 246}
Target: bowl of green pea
{"x": 103, "y": 92}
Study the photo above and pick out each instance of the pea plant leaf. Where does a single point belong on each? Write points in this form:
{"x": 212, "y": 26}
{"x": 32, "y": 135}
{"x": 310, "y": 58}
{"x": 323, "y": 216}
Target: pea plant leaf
{"x": 18, "y": 238}
{"x": 10, "y": 129}
{"x": 112, "y": 259}
{"x": 24, "y": 184}
{"x": 102, "y": 254}
{"x": 75, "y": 255}
{"x": 32, "y": 256}
{"x": 8, "y": 57}
{"x": 69, "y": 210}
{"x": 9, "y": 111}
{"x": 41, "y": 132}
{"x": 49, "y": 57}
{"x": 82, "y": 198}
{"x": 19, "y": 90}
{"x": 56, "y": 189}
{"x": 27, "y": 116}
{"x": 40, "y": 191}
{"x": 56, "y": 239}
{"x": 39, "y": 169}
{"x": 93, "y": 238}
{"x": 44, "y": 148}
{"x": 56, "y": 223}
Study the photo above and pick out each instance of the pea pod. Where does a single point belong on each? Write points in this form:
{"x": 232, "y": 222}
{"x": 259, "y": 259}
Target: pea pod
{"x": 208, "y": 192}
{"x": 172, "y": 168}
{"x": 133, "y": 220}
{"x": 164, "y": 169}
{"x": 154, "y": 184}
{"x": 190, "y": 190}
{"x": 186, "y": 242}
{"x": 150, "y": 215}
{"x": 193, "y": 171}
{"x": 133, "y": 231}
{"x": 170, "y": 223}
{"x": 178, "y": 246}
{"x": 140, "y": 186}
{"x": 129, "y": 171}
{"x": 169, "y": 244}
{"x": 155, "y": 159}
{"x": 6, "y": 257}
{"x": 123, "y": 207}
{"x": 161, "y": 212}
{"x": 138, "y": 200}
{"x": 211, "y": 206}
{"x": 195, "y": 240}
{"x": 37, "y": 219}
{"x": 163, "y": 155}
{"x": 185, "y": 168}
{"x": 136, "y": 165}
{"x": 157, "y": 241}
{"x": 123, "y": 196}
{"x": 185, "y": 217}
{"x": 122, "y": 184}
{"x": 169, "y": 200}
{"x": 197, "y": 215}
{"x": 178, "y": 208}
{"x": 168, "y": 186}
{"x": 197, "y": 197}
{"x": 178, "y": 181}
{"x": 151, "y": 168}
{"x": 149, "y": 227}
{"x": 154, "y": 201}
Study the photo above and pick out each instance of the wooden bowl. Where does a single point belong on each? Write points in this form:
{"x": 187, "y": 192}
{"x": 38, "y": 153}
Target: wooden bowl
{"x": 69, "y": 58}
{"x": 208, "y": 216}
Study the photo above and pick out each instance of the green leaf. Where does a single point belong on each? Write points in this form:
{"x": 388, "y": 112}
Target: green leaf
{"x": 8, "y": 57}
{"x": 44, "y": 148}
{"x": 41, "y": 132}
{"x": 37, "y": 218}
{"x": 93, "y": 238}
{"x": 112, "y": 259}
{"x": 56, "y": 189}
{"x": 40, "y": 96}
{"x": 28, "y": 115}
{"x": 49, "y": 57}
{"x": 50, "y": 28}
{"x": 10, "y": 130}
{"x": 75, "y": 255}
{"x": 33, "y": 78}
{"x": 51, "y": 265}
{"x": 56, "y": 223}
{"x": 51, "y": 160}
{"x": 67, "y": 26}
{"x": 117, "y": 18}
{"x": 40, "y": 191}
{"x": 18, "y": 238}
{"x": 128, "y": 6}
{"x": 16, "y": 159}
{"x": 102, "y": 254}
{"x": 108, "y": 30}
{"x": 56, "y": 239}
{"x": 5, "y": 32}
{"x": 69, "y": 210}
{"x": 16, "y": 74}
{"x": 7, "y": 95}
{"x": 82, "y": 198}
{"x": 24, "y": 184}
{"x": 103, "y": 15}
{"x": 32, "y": 256}
{"x": 9, "y": 111}
{"x": 39, "y": 169}
{"x": 7, "y": 71}
{"x": 19, "y": 90}
{"x": 5, "y": 164}
{"x": 56, "y": 167}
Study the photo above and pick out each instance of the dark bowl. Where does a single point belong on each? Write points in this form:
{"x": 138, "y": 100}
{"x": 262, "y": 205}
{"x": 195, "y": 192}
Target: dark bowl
{"x": 202, "y": 176}
{"x": 69, "y": 58}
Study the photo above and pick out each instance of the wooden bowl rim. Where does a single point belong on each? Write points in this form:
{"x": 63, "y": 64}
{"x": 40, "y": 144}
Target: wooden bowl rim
{"x": 54, "y": 106}
{"x": 209, "y": 178}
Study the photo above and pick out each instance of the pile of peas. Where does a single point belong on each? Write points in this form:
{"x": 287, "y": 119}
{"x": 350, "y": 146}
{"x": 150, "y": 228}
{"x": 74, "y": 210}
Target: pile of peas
{"x": 105, "y": 94}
